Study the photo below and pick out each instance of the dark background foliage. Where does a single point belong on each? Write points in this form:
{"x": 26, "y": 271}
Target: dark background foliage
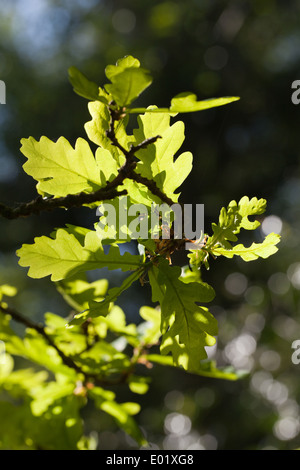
{"x": 213, "y": 48}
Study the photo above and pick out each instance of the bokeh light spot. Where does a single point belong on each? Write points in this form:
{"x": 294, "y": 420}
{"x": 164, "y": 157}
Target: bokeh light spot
{"x": 124, "y": 21}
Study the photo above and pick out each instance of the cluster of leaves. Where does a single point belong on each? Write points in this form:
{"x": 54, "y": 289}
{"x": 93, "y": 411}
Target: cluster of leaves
{"x": 83, "y": 357}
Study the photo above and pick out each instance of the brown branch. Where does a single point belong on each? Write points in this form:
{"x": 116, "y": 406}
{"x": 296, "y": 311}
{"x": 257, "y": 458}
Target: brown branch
{"x": 67, "y": 360}
{"x": 109, "y": 192}
{"x": 151, "y": 185}
{"x": 18, "y": 317}
{"x": 130, "y": 163}
{"x": 115, "y": 117}
{"x": 71, "y": 200}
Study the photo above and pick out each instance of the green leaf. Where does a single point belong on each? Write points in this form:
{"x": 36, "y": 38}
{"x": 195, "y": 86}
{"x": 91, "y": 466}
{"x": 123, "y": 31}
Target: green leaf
{"x": 231, "y": 220}
{"x": 130, "y": 217}
{"x": 6, "y": 367}
{"x": 188, "y": 349}
{"x": 207, "y": 368}
{"x": 115, "y": 321}
{"x": 97, "y": 308}
{"x": 120, "y": 220}
{"x": 7, "y": 290}
{"x": 138, "y": 384}
{"x": 84, "y": 87}
{"x": 78, "y": 232}
{"x": 60, "y": 426}
{"x": 149, "y": 331}
{"x": 237, "y": 215}
{"x": 61, "y": 169}
{"x": 47, "y": 394}
{"x": 13, "y": 343}
{"x": 121, "y": 412}
{"x": 64, "y": 256}
{"x": 234, "y": 218}
{"x": 186, "y": 327}
{"x": 78, "y": 292}
{"x": 128, "y": 80}
{"x": 96, "y": 130}
{"x": 33, "y": 347}
{"x": 256, "y": 250}
{"x": 186, "y": 102}
{"x": 124, "y": 420}
{"x": 102, "y": 358}
{"x": 157, "y": 160}
{"x": 37, "y": 350}
{"x": 69, "y": 342}
{"x": 23, "y": 381}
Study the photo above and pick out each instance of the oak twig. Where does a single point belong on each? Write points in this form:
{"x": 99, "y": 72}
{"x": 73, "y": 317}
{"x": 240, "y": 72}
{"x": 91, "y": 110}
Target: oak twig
{"x": 18, "y": 317}
{"x": 108, "y": 192}
{"x": 67, "y": 360}
{"x": 48, "y": 204}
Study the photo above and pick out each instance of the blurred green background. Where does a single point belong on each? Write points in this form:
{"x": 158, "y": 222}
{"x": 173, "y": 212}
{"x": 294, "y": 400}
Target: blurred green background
{"x": 214, "y": 48}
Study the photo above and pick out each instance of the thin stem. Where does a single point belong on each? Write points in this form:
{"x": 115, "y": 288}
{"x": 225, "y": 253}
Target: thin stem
{"x": 68, "y": 361}
{"x": 109, "y": 192}
{"x": 152, "y": 186}
{"x": 39, "y": 328}
{"x": 130, "y": 164}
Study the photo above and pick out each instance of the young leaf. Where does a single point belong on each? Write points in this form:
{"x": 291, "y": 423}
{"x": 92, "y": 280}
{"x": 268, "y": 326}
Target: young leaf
{"x": 186, "y": 102}
{"x": 6, "y": 367}
{"x": 33, "y": 347}
{"x": 128, "y": 80}
{"x": 231, "y": 220}
{"x": 84, "y": 87}
{"x": 134, "y": 216}
{"x": 256, "y": 250}
{"x": 96, "y": 130}
{"x": 235, "y": 217}
{"x": 188, "y": 348}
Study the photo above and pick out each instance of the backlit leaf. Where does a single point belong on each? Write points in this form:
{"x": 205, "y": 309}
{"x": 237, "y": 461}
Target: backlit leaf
{"x": 186, "y": 327}
{"x": 121, "y": 412}
{"x": 157, "y": 160}
{"x": 61, "y": 169}
{"x": 187, "y": 103}
{"x": 84, "y": 87}
{"x": 64, "y": 256}
{"x": 128, "y": 80}
{"x": 256, "y": 250}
